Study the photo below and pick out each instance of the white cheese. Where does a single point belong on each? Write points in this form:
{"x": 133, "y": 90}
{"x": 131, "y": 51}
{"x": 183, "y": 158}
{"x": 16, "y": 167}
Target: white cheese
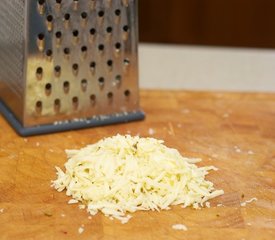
{"x": 179, "y": 227}
{"x": 151, "y": 131}
{"x": 207, "y": 204}
{"x": 250, "y": 152}
{"x": 123, "y": 174}
{"x": 72, "y": 201}
{"x": 243, "y": 204}
{"x": 80, "y": 230}
{"x": 251, "y": 200}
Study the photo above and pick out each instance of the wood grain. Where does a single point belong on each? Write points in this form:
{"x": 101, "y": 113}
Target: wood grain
{"x": 233, "y": 131}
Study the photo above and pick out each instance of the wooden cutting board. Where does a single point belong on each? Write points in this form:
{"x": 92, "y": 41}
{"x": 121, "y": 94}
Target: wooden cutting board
{"x": 232, "y": 131}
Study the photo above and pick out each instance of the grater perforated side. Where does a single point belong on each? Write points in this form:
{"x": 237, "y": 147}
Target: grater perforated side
{"x": 80, "y": 62}
{"x": 12, "y": 23}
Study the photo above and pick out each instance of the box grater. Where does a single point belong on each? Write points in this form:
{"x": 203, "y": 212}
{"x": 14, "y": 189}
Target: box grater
{"x": 68, "y": 64}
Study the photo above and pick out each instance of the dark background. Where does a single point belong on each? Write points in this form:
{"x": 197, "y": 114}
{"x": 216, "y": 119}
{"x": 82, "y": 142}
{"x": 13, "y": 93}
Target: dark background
{"x": 239, "y": 23}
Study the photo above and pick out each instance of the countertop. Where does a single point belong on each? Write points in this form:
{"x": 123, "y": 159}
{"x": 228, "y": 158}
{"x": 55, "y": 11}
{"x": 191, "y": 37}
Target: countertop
{"x": 233, "y": 131}
{"x": 206, "y": 68}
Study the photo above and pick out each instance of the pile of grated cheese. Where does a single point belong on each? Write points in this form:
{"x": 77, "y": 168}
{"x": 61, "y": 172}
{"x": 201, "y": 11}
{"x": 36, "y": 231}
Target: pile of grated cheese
{"x": 123, "y": 174}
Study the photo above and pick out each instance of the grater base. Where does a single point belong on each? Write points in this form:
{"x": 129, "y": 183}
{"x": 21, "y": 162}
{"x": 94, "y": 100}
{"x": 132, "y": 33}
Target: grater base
{"x": 68, "y": 125}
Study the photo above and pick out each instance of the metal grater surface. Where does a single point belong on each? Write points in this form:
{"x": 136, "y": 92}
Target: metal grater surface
{"x": 68, "y": 64}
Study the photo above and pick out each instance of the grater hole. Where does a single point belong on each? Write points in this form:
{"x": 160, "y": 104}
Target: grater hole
{"x": 48, "y": 86}
{"x": 49, "y": 53}
{"x": 117, "y": 12}
{"x": 118, "y": 79}
{"x": 66, "y": 87}
{"x": 67, "y": 16}
{"x": 110, "y": 95}
{"x": 93, "y": 99}
{"x": 125, "y": 28}
{"x": 125, "y": 33}
{"x": 84, "y": 84}
{"x": 39, "y": 70}
{"x": 118, "y": 46}
{"x": 101, "y": 81}
{"x": 92, "y": 64}
{"x": 58, "y": 34}
{"x": 127, "y": 93}
{"x": 39, "y": 73}
{"x": 110, "y": 63}
{"x": 126, "y": 62}
{"x": 84, "y": 15}
{"x": 75, "y": 66}
{"x": 92, "y": 31}
{"x": 101, "y": 13}
{"x": 100, "y": 47}
{"x": 49, "y": 22}
{"x": 84, "y": 49}
{"x": 57, "y": 105}
{"x": 66, "y": 51}
{"x": 75, "y": 102}
{"x": 41, "y": 6}
{"x": 41, "y": 36}
{"x": 41, "y": 41}
{"x": 57, "y": 70}
{"x": 50, "y": 18}
{"x": 75, "y": 33}
{"x": 38, "y": 107}
{"x": 109, "y": 29}
{"x": 92, "y": 67}
{"x": 48, "y": 89}
{"x": 58, "y": 1}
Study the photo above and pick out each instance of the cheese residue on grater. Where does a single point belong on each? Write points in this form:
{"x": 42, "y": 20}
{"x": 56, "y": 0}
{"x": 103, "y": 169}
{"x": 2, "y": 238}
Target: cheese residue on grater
{"x": 123, "y": 174}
